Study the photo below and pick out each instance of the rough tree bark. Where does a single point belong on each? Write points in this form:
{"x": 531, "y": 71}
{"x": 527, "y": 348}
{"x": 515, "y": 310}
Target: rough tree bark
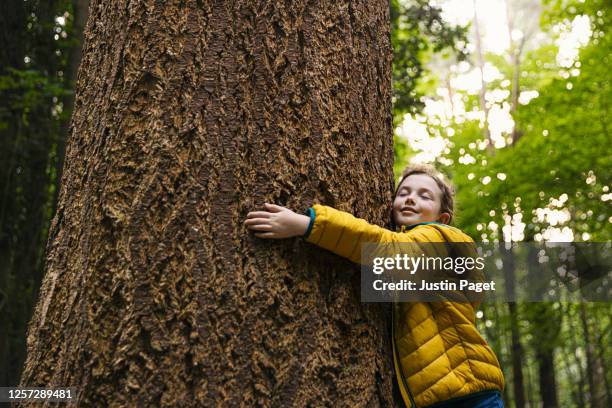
{"x": 187, "y": 116}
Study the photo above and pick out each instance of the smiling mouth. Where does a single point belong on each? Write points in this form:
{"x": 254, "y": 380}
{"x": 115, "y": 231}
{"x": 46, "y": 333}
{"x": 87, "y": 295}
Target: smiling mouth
{"x": 408, "y": 211}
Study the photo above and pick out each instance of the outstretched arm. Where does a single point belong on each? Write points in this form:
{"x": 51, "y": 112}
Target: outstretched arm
{"x": 277, "y": 222}
{"x": 334, "y": 230}
{"x": 344, "y": 234}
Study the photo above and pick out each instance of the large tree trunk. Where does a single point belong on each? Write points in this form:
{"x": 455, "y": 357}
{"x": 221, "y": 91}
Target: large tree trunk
{"x": 187, "y": 116}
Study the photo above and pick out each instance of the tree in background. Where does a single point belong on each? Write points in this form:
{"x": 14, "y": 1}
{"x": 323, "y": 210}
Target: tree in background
{"x": 418, "y": 33}
{"x": 35, "y": 47}
{"x": 552, "y": 183}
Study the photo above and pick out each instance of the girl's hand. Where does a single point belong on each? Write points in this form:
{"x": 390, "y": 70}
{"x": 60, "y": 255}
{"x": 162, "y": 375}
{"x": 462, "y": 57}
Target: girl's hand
{"x": 278, "y": 222}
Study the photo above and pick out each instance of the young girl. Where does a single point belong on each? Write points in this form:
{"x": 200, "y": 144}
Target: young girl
{"x": 440, "y": 358}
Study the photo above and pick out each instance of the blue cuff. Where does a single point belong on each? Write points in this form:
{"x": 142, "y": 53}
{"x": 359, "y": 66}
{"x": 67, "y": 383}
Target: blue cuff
{"x": 311, "y": 214}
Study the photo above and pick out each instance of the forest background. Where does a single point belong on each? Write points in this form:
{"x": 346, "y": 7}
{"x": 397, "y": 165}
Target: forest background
{"x": 510, "y": 98}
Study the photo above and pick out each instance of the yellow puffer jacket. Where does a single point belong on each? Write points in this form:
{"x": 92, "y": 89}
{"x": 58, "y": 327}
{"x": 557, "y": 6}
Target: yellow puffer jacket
{"x": 437, "y": 350}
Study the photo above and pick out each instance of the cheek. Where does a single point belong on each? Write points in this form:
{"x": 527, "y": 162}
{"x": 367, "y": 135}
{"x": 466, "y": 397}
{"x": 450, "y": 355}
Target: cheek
{"x": 436, "y": 208}
{"x": 431, "y": 207}
{"x": 396, "y": 204}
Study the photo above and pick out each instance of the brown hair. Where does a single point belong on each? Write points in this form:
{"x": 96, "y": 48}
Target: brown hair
{"x": 448, "y": 191}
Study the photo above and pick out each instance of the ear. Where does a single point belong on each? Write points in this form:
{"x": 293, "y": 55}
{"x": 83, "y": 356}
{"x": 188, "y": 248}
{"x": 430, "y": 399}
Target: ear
{"x": 444, "y": 218}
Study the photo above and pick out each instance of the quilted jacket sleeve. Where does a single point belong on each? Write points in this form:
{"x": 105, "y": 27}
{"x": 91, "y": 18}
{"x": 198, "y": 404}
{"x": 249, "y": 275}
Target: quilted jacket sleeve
{"x": 344, "y": 234}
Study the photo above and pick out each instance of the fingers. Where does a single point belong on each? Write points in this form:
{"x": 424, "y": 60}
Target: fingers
{"x": 261, "y": 222}
{"x": 259, "y": 214}
{"x": 260, "y": 227}
{"x": 255, "y": 221}
{"x": 274, "y": 207}
{"x": 266, "y": 235}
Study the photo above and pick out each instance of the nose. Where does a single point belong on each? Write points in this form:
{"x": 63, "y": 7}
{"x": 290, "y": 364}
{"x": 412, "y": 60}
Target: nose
{"x": 409, "y": 199}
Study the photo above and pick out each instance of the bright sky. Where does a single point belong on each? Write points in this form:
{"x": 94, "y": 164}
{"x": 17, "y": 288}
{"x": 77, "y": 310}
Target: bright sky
{"x": 492, "y": 17}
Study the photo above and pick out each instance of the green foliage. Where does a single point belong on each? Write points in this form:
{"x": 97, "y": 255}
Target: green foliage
{"x": 26, "y": 91}
{"x": 418, "y": 29}
{"x": 560, "y": 163}
{"x": 402, "y": 153}
{"x": 561, "y": 151}
{"x": 567, "y": 128}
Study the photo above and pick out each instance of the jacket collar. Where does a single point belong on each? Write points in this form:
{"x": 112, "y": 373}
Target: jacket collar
{"x": 405, "y": 228}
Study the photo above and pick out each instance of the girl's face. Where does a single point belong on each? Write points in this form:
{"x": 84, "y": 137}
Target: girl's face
{"x": 418, "y": 200}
